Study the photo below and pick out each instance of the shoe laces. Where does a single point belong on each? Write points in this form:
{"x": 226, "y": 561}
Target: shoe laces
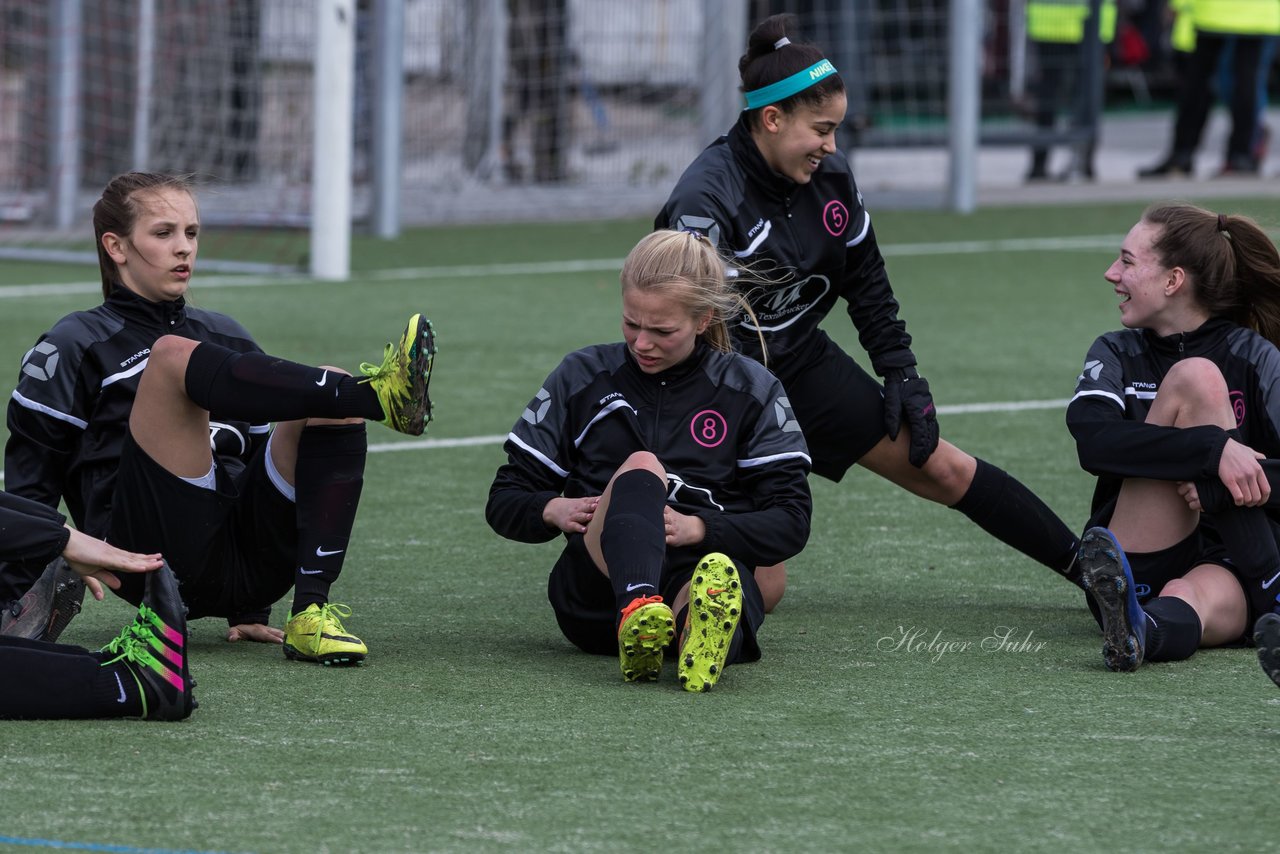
{"x": 329, "y": 617}
{"x": 390, "y": 364}
{"x": 635, "y": 605}
{"x": 129, "y": 646}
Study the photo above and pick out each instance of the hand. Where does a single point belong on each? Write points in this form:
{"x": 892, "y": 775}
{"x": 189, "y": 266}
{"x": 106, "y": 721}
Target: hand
{"x": 571, "y": 515}
{"x": 906, "y": 391}
{"x": 1242, "y": 476}
{"x": 255, "y": 632}
{"x": 93, "y": 559}
{"x": 1190, "y": 494}
{"x": 683, "y": 530}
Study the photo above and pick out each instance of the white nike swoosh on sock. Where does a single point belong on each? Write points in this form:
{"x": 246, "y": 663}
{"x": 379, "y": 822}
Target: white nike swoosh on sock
{"x": 122, "y": 697}
{"x": 631, "y": 587}
{"x": 323, "y": 377}
{"x": 309, "y": 571}
{"x": 322, "y": 553}
{"x": 1270, "y": 581}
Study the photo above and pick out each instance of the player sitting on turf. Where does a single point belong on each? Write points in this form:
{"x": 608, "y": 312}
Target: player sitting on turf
{"x": 151, "y": 419}
{"x": 1177, "y": 416}
{"x": 672, "y": 466}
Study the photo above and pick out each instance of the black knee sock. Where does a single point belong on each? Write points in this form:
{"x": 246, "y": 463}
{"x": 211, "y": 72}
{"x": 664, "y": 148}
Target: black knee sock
{"x": 329, "y": 477}
{"x": 1173, "y": 630}
{"x": 58, "y": 681}
{"x": 634, "y": 537}
{"x": 258, "y": 387}
{"x": 1214, "y": 495}
{"x": 1004, "y": 508}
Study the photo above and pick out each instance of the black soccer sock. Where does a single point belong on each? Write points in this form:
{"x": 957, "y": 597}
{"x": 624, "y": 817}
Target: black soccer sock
{"x": 1214, "y": 495}
{"x": 1173, "y": 631}
{"x": 329, "y": 477}
{"x": 258, "y": 387}
{"x": 633, "y": 540}
{"x": 1000, "y": 505}
{"x": 59, "y": 681}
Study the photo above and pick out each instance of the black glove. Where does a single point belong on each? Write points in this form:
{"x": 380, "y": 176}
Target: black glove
{"x": 906, "y": 391}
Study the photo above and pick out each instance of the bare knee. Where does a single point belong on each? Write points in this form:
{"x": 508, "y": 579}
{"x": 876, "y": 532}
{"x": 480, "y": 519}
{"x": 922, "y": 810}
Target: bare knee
{"x": 1193, "y": 393}
{"x": 951, "y": 472}
{"x": 645, "y": 461}
{"x": 170, "y": 354}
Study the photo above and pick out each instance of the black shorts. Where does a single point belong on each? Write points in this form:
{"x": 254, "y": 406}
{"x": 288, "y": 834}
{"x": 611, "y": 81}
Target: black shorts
{"x": 840, "y": 407}
{"x": 583, "y": 601}
{"x": 1153, "y": 570}
{"x": 233, "y": 548}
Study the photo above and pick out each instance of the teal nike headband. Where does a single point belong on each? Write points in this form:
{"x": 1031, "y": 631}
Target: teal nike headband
{"x": 788, "y": 86}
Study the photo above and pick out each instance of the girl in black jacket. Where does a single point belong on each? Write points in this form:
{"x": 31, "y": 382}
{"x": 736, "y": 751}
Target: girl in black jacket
{"x": 776, "y": 196}
{"x": 151, "y": 419}
{"x": 1178, "y": 415}
{"x": 672, "y": 465}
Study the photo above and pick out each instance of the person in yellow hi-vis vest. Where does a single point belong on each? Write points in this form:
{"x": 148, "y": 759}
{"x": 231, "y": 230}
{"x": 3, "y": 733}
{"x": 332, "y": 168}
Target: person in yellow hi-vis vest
{"x": 1057, "y": 29}
{"x": 1250, "y": 22}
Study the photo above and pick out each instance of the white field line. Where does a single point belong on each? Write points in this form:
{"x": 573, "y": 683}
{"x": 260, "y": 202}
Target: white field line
{"x": 553, "y": 268}
{"x": 473, "y": 441}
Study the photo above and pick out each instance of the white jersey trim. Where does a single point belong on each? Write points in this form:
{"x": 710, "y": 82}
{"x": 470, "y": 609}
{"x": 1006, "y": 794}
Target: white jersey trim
{"x": 773, "y": 458}
{"x": 28, "y": 403}
{"x": 617, "y": 404}
{"x": 1108, "y": 395}
{"x": 862, "y": 235}
{"x": 124, "y": 375}
{"x": 755, "y": 244}
{"x": 537, "y": 455}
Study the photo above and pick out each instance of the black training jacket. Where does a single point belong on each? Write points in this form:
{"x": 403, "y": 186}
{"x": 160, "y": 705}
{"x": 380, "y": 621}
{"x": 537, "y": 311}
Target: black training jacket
{"x": 812, "y": 242}
{"x": 68, "y": 415}
{"x": 1121, "y": 376}
{"x": 719, "y": 423}
{"x": 29, "y": 531}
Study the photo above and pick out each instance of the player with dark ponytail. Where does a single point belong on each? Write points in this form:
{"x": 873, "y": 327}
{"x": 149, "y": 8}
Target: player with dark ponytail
{"x": 1178, "y": 415}
{"x": 775, "y": 195}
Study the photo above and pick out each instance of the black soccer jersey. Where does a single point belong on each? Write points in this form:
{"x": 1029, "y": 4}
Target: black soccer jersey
{"x": 1122, "y": 374}
{"x": 718, "y": 422}
{"x": 68, "y": 415}
{"x": 813, "y": 243}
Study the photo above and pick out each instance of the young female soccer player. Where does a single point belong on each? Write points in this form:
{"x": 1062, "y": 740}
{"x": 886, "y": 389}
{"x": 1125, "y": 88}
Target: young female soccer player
{"x": 671, "y": 465}
{"x": 150, "y": 418}
{"x": 142, "y": 673}
{"x": 775, "y": 195}
{"x": 1178, "y": 415}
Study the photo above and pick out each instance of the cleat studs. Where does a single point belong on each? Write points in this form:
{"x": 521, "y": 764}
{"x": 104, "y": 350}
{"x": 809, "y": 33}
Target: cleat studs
{"x": 713, "y": 670}
{"x": 698, "y": 580}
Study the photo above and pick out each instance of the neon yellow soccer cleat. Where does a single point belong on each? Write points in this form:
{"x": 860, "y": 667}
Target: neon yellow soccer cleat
{"x": 402, "y": 379}
{"x": 715, "y": 607}
{"x": 317, "y": 634}
{"x": 647, "y": 627}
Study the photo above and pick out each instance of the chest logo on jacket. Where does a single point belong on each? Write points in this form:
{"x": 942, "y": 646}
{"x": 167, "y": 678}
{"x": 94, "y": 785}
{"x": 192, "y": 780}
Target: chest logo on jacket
{"x": 708, "y": 428}
{"x": 41, "y": 361}
{"x": 780, "y": 307}
{"x": 1238, "y": 407}
{"x": 835, "y": 217}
